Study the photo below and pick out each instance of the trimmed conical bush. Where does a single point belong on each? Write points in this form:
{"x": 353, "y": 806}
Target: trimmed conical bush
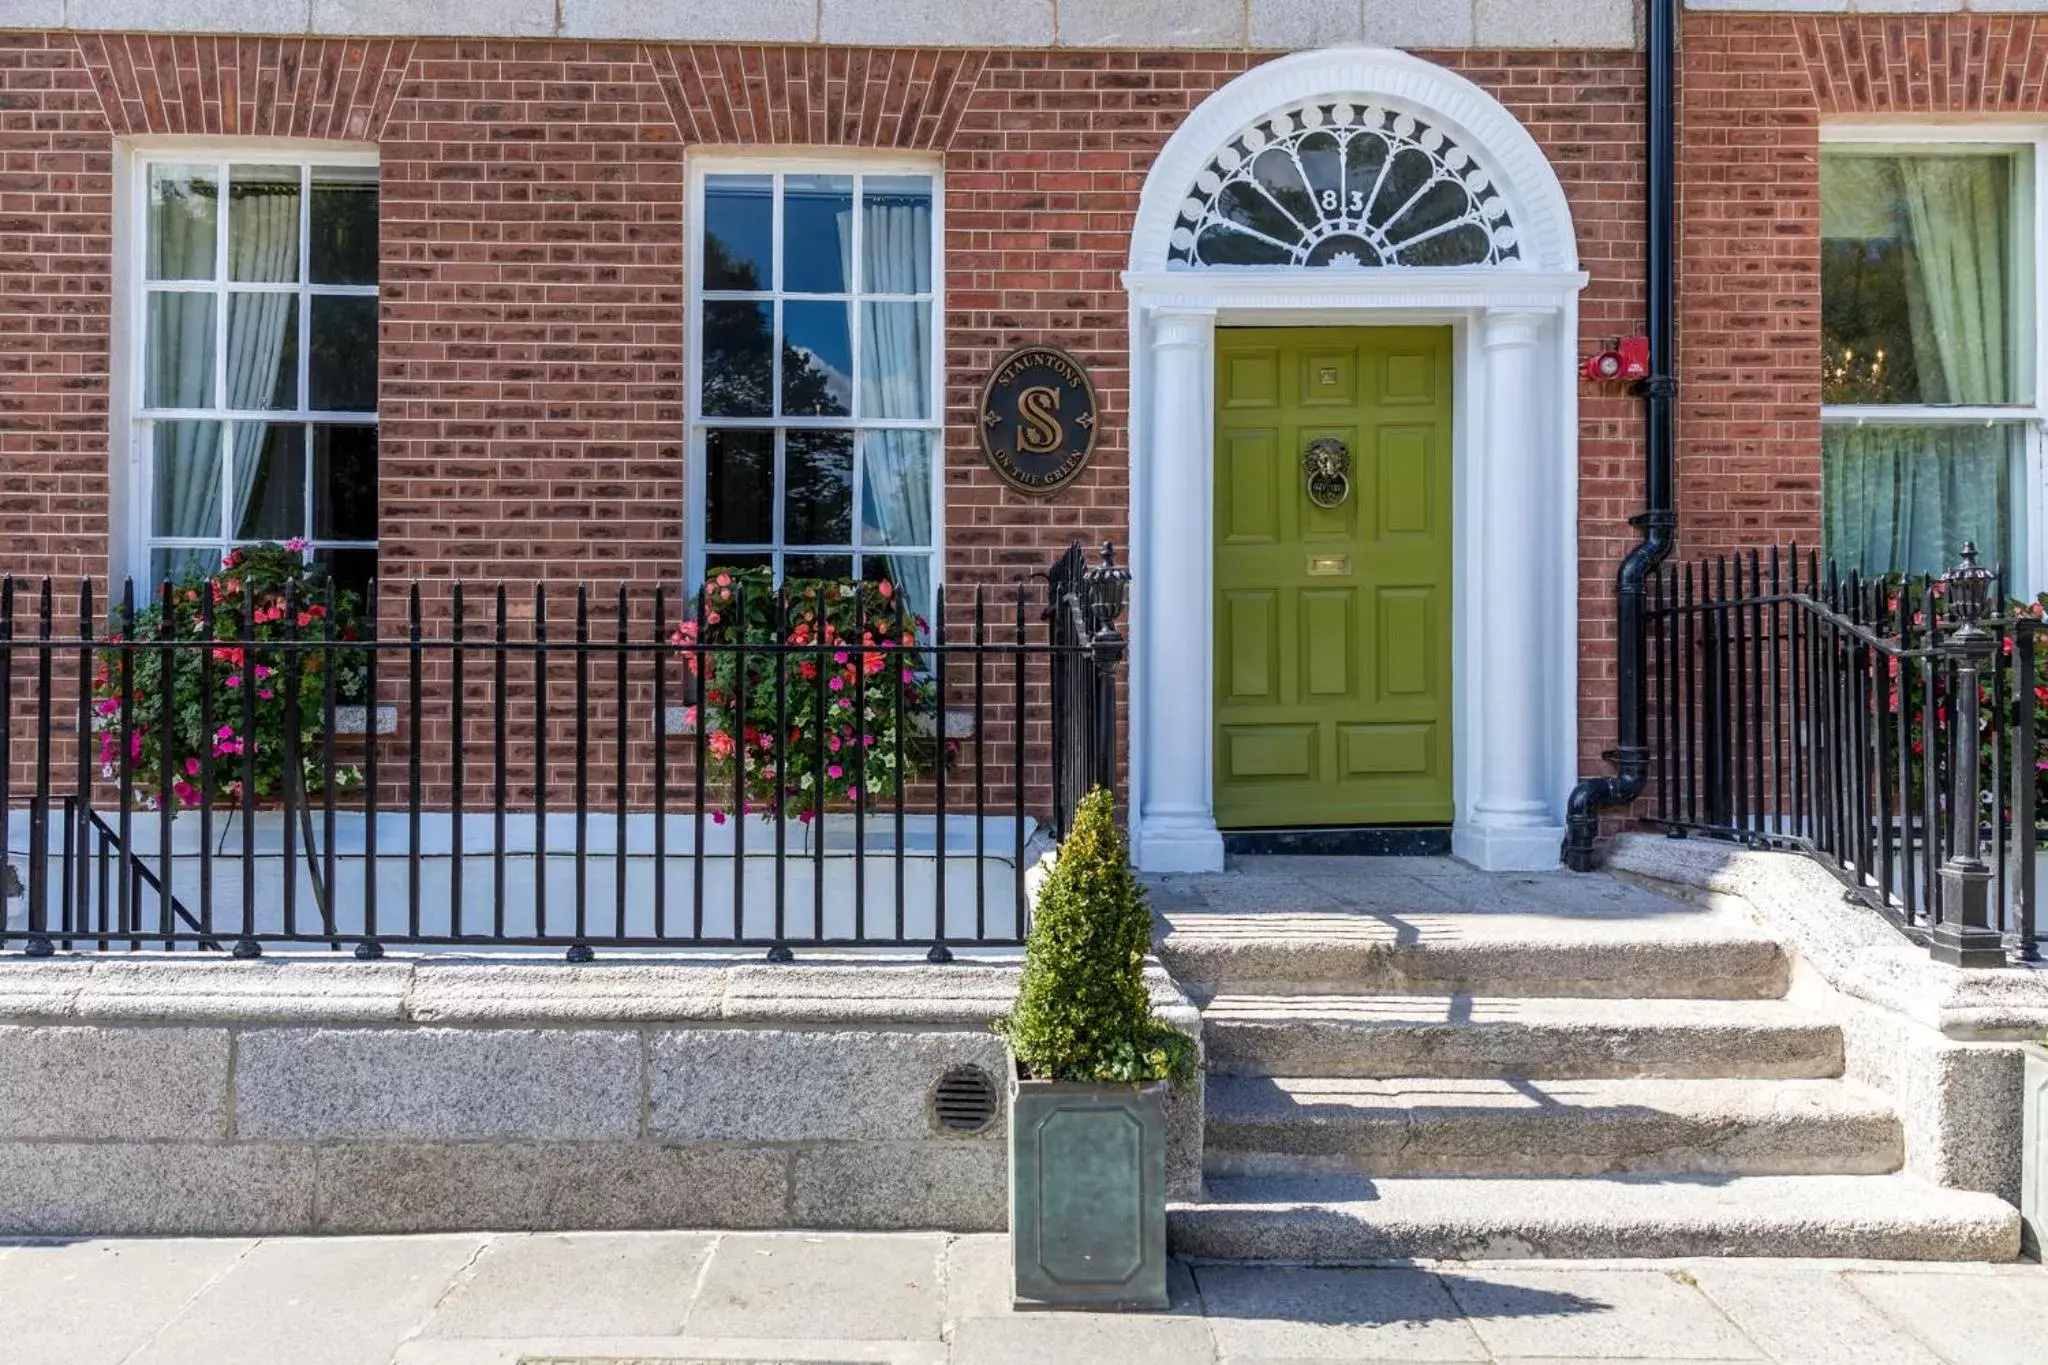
{"x": 1083, "y": 1013}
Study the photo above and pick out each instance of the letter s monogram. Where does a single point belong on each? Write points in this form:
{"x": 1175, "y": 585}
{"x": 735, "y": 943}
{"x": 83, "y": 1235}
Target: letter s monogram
{"x": 1039, "y": 432}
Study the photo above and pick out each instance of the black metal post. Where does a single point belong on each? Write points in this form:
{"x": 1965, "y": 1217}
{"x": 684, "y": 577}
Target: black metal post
{"x": 1965, "y": 936}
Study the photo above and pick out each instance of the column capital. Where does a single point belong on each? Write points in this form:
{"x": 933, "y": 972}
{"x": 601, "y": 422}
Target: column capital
{"x": 1175, "y": 328}
{"x": 1513, "y": 327}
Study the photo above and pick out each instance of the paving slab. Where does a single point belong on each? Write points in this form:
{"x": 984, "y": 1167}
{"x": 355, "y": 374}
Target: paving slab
{"x": 1295, "y": 1313}
{"x": 1040, "y": 1338}
{"x": 310, "y": 1301}
{"x": 1808, "y": 1316}
{"x": 575, "y": 1284}
{"x": 1982, "y": 1319}
{"x": 668, "y": 1351}
{"x": 1596, "y": 1314}
{"x": 71, "y": 1286}
{"x": 978, "y": 1283}
{"x": 854, "y": 1287}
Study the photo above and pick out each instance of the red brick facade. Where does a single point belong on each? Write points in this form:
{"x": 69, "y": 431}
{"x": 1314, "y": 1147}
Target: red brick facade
{"x": 532, "y": 331}
{"x": 1756, "y": 88}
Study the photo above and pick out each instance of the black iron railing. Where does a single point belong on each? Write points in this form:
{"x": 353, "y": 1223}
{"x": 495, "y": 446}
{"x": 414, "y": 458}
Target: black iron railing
{"x": 1886, "y": 726}
{"x": 796, "y": 768}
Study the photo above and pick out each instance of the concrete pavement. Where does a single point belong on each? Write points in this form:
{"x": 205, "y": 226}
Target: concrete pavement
{"x": 928, "y": 1299}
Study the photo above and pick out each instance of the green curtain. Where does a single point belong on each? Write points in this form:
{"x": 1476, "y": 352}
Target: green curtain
{"x": 1899, "y": 497}
{"x": 1904, "y": 499}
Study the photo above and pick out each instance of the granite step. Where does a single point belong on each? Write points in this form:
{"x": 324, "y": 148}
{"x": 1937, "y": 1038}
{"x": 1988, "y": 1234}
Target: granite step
{"x": 1699, "y": 955}
{"x": 1432, "y": 1126}
{"x": 1351, "y": 1219}
{"x": 1540, "y": 1037}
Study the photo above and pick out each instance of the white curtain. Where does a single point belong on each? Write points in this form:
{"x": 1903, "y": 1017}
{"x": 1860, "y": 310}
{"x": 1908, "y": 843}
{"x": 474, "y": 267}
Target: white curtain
{"x": 263, "y": 246}
{"x": 1904, "y": 498}
{"x": 896, "y": 381}
{"x": 185, "y": 456}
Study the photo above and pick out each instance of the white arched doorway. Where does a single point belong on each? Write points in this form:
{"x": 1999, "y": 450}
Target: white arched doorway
{"x": 1511, "y": 302}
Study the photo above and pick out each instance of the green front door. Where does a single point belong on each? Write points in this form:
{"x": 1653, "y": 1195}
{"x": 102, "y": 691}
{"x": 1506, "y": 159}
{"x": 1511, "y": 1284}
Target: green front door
{"x": 1333, "y": 623}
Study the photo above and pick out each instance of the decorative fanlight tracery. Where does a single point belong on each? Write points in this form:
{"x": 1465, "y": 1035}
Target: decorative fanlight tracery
{"x": 1344, "y": 184}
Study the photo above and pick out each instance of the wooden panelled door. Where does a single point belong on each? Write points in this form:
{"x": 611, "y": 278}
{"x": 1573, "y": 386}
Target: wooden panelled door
{"x": 1333, "y": 622}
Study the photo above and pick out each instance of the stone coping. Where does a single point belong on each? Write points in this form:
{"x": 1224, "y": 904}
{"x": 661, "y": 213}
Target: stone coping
{"x": 503, "y": 990}
{"x": 1852, "y": 947}
{"x": 1184, "y": 25}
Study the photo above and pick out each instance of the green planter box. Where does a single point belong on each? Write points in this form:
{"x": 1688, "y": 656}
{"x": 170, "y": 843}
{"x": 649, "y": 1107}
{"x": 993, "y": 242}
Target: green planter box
{"x": 1087, "y": 1194}
{"x": 2034, "y": 1149}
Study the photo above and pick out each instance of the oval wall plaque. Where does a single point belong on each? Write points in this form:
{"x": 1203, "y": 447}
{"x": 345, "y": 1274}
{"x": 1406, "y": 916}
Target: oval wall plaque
{"x": 1037, "y": 419}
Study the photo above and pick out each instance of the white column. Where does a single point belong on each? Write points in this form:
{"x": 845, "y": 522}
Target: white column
{"x": 1176, "y": 825}
{"x": 1512, "y": 825}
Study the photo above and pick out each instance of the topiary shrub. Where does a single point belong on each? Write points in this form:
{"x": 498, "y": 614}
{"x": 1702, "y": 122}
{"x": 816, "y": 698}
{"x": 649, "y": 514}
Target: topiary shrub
{"x": 1083, "y": 1013}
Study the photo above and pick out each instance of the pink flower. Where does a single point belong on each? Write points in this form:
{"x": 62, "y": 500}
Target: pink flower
{"x": 265, "y": 693}
{"x": 908, "y": 676}
{"x": 718, "y": 817}
{"x": 225, "y": 732}
{"x": 297, "y": 545}
{"x": 233, "y": 680}
{"x": 840, "y": 657}
{"x": 192, "y": 766}
{"x": 835, "y": 771}
{"x": 837, "y": 684}
{"x": 262, "y": 672}
{"x": 884, "y": 589}
{"x": 833, "y": 745}
{"x": 723, "y": 581}
{"x": 853, "y": 793}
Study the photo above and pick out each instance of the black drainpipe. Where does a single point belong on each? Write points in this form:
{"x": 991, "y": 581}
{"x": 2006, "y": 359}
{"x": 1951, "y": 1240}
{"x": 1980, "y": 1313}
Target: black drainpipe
{"x": 1658, "y": 520}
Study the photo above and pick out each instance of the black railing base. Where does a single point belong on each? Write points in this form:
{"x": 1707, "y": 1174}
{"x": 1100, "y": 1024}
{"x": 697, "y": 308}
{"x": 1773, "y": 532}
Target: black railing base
{"x": 1958, "y": 946}
{"x": 38, "y": 946}
{"x": 582, "y": 952}
{"x": 939, "y": 953}
{"x": 247, "y": 948}
{"x": 781, "y": 952}
{"x": 369, "y": 950}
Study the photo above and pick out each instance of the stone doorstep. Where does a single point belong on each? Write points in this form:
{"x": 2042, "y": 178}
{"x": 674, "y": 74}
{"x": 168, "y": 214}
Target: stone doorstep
{"x": 1556, "y": 1128}
{"x": 1352, "y": 1219}
{"x": 1854, "y": 949}
{"x": 1532, "y": 1038}
{"x": 1336, "y": 955}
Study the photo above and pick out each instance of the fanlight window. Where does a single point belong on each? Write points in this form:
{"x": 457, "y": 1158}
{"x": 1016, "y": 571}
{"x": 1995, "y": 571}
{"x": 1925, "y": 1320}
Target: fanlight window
{"x": 1345, "y": 185}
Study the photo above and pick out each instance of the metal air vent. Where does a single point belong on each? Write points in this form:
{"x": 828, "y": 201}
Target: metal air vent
{"x": 965, "y": 1100}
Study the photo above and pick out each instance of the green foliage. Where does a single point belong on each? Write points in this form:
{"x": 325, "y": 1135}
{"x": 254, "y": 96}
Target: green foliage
{"x": 277, "y": 631}
{"x": 854, "y": 672}
{"x": 1083, "y": 1013}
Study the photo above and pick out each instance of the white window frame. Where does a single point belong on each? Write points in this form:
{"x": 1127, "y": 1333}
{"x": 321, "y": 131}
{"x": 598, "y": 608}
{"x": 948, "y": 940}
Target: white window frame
{"x": 855, "y": 164}
{"x": 2028, "y": 142}
{"x": 132, "y": 555}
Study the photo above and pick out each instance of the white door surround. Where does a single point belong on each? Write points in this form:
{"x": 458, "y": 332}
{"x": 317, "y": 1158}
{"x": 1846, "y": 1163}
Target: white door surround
{"x": 1515, "y": 459}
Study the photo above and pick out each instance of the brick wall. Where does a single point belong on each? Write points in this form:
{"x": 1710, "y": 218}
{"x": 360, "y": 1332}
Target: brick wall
{"x": 1755, "y": 89}
{"x": 532, "y": 339}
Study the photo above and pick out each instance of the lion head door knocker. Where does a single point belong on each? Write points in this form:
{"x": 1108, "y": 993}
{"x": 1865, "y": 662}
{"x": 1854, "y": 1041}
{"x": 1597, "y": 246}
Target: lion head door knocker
{"x": 1328, "y": 469}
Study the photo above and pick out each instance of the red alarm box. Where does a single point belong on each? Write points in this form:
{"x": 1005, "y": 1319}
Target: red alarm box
{"x": 1625, "y": 358}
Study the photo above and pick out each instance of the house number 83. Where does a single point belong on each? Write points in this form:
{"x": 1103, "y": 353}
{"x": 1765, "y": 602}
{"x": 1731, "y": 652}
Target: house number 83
{"x": 1332, "y": 200}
